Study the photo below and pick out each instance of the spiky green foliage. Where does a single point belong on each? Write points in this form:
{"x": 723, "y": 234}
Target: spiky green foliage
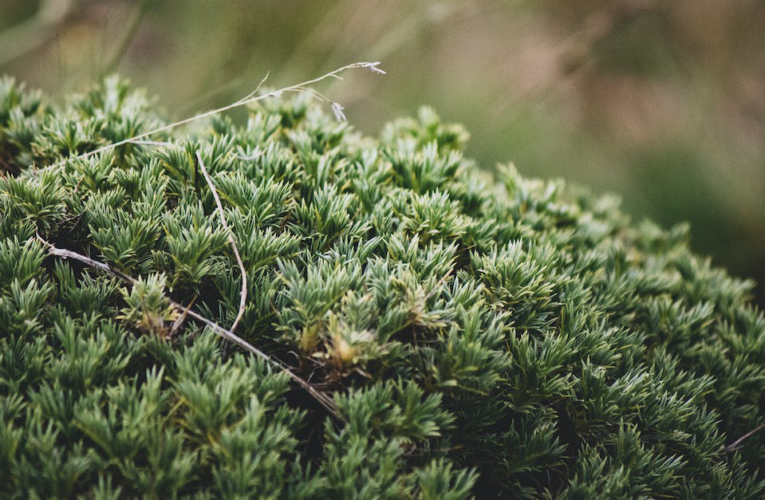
{"x": 496, "y": 338}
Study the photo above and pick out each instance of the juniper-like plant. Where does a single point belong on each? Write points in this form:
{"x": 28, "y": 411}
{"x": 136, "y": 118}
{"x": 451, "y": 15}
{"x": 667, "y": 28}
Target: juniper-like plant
{"x": 412, "y": 327}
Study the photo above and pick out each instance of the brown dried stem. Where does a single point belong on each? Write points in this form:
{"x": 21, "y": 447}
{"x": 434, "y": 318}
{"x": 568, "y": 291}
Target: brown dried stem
{"x": 323, "y": 399}
{"x": 302, "y": 87}
{"x": 221, "y": 214}
{"x": 735, "y": 445}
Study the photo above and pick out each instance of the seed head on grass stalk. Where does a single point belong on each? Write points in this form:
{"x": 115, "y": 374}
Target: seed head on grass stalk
{"x": 303, "y": 87}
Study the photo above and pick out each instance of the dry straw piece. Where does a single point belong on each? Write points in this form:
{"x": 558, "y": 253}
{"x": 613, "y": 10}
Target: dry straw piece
{"x": 303, "y": 87}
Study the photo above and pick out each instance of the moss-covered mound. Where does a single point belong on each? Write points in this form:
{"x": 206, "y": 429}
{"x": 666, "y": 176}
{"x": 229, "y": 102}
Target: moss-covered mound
{"x": 496, "y": 338}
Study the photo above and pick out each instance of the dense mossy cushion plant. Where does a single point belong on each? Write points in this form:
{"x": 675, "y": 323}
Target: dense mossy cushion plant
{"x": 488, "y": 337}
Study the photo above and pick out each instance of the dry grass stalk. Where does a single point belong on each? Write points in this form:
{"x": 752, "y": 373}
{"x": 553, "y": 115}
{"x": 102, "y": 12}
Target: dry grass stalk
{"x": 303, "y": 87}
{"x": 221, "y": 213}
{"x": 321, "y": 397}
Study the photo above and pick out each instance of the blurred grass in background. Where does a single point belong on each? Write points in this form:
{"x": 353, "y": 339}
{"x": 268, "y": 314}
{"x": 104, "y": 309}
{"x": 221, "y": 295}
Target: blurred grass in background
{"x": 660, "y": 102}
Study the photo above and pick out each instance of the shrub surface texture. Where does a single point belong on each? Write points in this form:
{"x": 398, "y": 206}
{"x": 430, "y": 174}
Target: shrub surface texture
{"x": 489, "y": 337}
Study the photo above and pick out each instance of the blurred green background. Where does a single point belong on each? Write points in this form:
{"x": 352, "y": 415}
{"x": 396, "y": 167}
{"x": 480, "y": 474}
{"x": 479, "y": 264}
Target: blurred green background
{"x": 662, "y": 102}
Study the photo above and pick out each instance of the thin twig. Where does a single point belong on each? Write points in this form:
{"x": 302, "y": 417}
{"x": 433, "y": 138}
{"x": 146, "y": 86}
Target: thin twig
{"x": 179, "y": 322}
{"x": 221, "y": 213}
{"x": 257, "y": 89}
{"x": 300, "y": 87}
{"x": 323, "y": 399}
{"x": 153, "y": 143}
{"x": 735, "y": 444}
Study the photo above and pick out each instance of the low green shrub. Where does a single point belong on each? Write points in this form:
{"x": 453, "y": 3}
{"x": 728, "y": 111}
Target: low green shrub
{"x": 478, "y": 337}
